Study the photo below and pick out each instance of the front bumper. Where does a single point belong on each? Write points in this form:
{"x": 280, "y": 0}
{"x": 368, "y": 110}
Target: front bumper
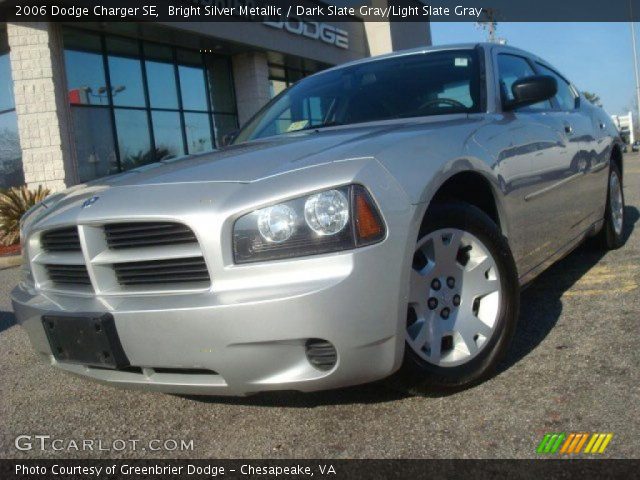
{"x": 254, "y": 340}
{"x": 250, "y": 328}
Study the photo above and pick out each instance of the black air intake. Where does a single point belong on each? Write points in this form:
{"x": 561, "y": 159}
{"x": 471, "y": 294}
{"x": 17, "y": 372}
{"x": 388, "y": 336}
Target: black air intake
{"x": 61, "y": 240}
{"x": 158, "y": 272}
{"x": 68, "y": 274}
{"x": 147, "y": 234}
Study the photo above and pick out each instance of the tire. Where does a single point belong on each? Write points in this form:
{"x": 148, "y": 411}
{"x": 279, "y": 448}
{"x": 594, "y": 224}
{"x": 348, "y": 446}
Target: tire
{"x": 459, "y": 365}
{"x": 611, "y": 236}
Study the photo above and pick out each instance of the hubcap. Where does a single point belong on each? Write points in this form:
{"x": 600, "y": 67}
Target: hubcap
{"x": 451, "y": 324}
{"x": 616, "y": 203}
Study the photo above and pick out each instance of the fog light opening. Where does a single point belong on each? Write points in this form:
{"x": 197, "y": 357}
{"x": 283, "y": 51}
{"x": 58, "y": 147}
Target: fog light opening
{"x": 321, "y": 354}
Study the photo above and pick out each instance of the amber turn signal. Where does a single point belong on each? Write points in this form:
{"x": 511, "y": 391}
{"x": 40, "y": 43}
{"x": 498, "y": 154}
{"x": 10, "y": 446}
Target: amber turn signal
{"x": 369, "y": 227}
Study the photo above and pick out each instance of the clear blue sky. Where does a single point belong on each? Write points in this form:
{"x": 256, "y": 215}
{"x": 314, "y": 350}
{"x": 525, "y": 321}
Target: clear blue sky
{"x": 596, "y": 57}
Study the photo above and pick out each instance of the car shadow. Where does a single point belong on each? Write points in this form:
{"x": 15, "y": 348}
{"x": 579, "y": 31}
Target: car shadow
{"x": 541, "y": 301}
{"x": 7, "y": 320}
{"x": 540, "y": 309}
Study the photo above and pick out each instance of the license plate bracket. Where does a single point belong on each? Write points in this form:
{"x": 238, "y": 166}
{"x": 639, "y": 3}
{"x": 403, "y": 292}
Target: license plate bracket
{"x": 86, "y": 339}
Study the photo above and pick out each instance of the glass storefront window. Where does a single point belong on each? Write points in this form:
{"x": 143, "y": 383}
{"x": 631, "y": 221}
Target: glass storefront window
{"x": 198, "y": 132}
{"x": 6, "y": 85}
{"x": 134, "y": 142}
{"x": 165, "y": 127}
{"x": 161, "y": 77}
{"x": 162, "y": 85}
{"x": 125, "y": 72}
{"x": 221, "y": 85}
{"x": 11, "y": 172}
{"x": 148, "y": 115}
{"x": 192, "y": 80}
{"x": 84, "y": 66}
{"x": 95, "y": 150}
{"x": 192, "y": 88}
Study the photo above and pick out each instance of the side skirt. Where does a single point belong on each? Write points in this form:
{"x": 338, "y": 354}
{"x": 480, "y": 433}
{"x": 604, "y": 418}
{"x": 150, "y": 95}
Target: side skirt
{"x": 565, "y": 250}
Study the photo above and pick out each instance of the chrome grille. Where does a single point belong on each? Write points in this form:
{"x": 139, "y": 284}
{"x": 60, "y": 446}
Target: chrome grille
{"x": 147, "y": 234}
{"x": 179, "y": 270}
{"x": 61, "y": 240}
{"x": 68, "y": 274}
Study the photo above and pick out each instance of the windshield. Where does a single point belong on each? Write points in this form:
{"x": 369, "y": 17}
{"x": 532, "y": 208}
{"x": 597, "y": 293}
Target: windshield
{"x": 435, "y": 83}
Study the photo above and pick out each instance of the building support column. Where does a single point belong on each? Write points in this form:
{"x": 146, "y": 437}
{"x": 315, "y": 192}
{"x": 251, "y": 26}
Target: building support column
{"x": 42, "y": 106}
{"x": 387, "y": 37}
{"x": 378, "y": 37}
{"x": 251, "y": 79}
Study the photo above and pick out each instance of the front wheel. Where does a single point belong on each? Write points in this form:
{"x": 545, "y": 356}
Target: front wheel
{"x": 463, "y": 301}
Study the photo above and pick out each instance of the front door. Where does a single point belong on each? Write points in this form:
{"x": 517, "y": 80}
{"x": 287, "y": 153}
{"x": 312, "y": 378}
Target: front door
{"x": 539, "y": 170}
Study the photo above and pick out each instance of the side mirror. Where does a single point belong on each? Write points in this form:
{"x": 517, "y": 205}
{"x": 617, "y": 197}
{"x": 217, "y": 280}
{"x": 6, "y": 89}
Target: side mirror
{"x": 531, "y": 90}
{"x": 229, "y": 138}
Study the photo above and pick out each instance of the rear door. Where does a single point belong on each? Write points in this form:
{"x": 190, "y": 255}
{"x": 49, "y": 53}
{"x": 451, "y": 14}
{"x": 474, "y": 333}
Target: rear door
{"x": 582, "y": 183}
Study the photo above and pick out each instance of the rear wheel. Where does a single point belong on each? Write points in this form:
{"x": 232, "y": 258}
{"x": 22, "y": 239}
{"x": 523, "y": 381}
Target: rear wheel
{"x": 463, "y": 301}
{"x": 611, "y": 235}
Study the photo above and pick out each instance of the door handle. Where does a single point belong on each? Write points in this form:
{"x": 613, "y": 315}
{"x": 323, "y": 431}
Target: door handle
{"x": 568, "y": 128}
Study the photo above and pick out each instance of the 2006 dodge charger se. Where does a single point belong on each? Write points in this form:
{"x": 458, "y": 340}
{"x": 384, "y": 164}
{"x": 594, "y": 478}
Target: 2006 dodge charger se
{"x": 374, "y": 220}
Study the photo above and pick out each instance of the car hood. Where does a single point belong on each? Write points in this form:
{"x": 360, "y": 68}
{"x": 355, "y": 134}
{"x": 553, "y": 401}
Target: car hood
{"x": 251, "y": 161}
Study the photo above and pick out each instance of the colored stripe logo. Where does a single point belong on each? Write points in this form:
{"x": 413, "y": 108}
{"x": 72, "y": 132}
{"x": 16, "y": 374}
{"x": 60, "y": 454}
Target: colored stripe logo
{"x": 574, "y": 443}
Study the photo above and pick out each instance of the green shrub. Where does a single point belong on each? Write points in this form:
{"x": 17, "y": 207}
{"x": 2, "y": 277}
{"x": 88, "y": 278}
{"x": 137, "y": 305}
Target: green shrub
{"x": 14, "y": 203}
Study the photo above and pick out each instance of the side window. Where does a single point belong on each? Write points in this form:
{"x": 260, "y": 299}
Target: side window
{"x": 565, "y": 97}
{"x": 512, "y": 68}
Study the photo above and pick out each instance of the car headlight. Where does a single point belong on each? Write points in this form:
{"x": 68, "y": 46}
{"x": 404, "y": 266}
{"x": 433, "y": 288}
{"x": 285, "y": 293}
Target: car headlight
{"x": 327, "y": 213}
{"x": 329, "y": 221}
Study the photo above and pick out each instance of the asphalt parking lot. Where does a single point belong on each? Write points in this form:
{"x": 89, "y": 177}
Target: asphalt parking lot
{"x": 574, "y": 367}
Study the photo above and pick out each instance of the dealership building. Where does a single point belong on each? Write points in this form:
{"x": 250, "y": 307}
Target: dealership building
{"x": 79, "y": 101}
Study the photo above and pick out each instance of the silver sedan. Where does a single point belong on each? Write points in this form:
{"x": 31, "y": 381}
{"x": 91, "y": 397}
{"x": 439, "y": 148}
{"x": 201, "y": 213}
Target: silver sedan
{"x": 374, "y": 220}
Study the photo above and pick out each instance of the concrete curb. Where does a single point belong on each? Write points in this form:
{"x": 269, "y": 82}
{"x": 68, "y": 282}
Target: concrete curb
{"x": 10, "y": 261}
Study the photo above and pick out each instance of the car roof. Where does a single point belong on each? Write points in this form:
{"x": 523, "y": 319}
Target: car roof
{"x": 432, "y": 48}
